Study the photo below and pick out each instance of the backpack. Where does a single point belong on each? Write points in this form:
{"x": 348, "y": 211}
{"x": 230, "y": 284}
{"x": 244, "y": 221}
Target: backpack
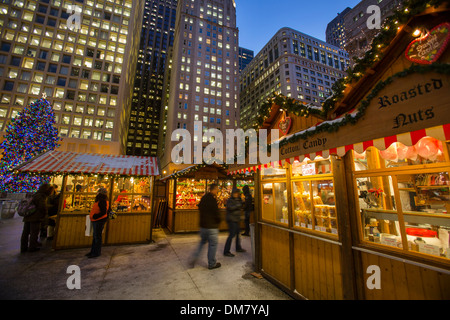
{"x": 26, "y": 208}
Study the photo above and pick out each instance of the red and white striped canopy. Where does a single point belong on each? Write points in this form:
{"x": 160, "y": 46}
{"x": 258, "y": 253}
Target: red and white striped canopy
{"x": 59, "y": 162}
{"x": 441, "y": 133}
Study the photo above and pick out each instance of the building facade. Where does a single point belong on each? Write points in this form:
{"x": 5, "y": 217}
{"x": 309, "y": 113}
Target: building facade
{"x": 357, "y": 33}
{"x": 86, "y": 73}
{"x": 245, "y": 57}
{"x": 293, "y": 64}
{"x": 157, "y": 36}
{"x": 204, "y": 78}
{"x": 335, "y": 33}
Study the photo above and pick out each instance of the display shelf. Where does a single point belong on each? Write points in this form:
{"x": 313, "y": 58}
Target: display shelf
{"x": 411, "y": 217}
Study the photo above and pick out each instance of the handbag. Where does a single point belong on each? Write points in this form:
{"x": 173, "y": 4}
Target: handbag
{"x": 111, "y": 214}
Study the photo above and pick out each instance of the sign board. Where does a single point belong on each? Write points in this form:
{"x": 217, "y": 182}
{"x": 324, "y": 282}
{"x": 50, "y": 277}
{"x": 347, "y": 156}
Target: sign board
{"x": 309, "y": 169}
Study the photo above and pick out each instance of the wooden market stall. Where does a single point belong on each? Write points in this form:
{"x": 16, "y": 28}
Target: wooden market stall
{"x": 187, "y": 186}
{"x": 129, "y": 181}
{"x": 369, "y": 188}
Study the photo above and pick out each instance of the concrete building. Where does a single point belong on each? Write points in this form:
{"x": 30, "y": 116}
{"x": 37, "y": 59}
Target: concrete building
{"x": 204, "y": 79}
{"x": 335, "y": 33}
{"x": 293, "y": 64}
{"x": 86, "y": 73}
{"x": 245, "y": 57}
{"x": 157, "y": 36}
{"x": 357, "y": 34}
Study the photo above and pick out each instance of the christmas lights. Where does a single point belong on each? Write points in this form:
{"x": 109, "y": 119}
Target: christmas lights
{"x": 29, "y": 134}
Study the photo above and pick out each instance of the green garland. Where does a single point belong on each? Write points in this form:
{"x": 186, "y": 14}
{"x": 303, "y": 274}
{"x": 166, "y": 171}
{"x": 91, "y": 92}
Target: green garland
{"x": 441, "y": 68}
{"x": 400, "y": 17}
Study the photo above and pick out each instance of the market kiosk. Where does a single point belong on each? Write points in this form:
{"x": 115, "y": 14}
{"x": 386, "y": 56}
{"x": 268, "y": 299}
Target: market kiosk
{"x": 185, "y": 189}
{"x": 128, "y": 180}
{"x": 367, "y": 190}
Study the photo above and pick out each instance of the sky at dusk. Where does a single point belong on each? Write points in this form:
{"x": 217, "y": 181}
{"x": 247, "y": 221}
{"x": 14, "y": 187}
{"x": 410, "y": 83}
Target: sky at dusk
{"x": 259, "y": 20}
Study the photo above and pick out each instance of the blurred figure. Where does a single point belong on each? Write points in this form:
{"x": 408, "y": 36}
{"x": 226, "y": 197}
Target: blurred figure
{"x": 32, "y": 223}
{"x": 209, "y": 227}
{"x": 53, "y": 202}
{"x": 234, "y": 207}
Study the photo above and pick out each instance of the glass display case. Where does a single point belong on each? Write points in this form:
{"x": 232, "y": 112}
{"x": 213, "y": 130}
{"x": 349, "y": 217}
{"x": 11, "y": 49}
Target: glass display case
{"x": 313, "y": 196}
{"x": 131, "y": 195}
{"x": 275, "y": 202}
{"x": 189, "y": 192}
{"x": 404, "y": 201}
{"x": 80, "y": 192}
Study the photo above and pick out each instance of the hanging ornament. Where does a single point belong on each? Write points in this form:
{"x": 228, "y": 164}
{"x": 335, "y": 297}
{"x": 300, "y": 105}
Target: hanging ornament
{"x": 285, "y": 124}
{"x": 429, "y": 48}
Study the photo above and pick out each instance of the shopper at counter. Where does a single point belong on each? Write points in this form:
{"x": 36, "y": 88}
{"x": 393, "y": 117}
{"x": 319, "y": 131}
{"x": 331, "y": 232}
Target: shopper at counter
{"x": 99, "y": 216}
{"x": 209, "y": 227}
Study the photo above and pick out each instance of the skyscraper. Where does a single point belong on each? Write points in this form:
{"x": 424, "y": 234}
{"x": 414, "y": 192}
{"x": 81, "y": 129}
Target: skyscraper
{"x": 293, "y": 64}
{"x": 204, "y": 80}
{"x": 157, "y": 36}
{"x": 335, "y": 33}
{"x": 356, "y": 30}
{"x": 86, "y": 73}
{"x": 245, "y": 57}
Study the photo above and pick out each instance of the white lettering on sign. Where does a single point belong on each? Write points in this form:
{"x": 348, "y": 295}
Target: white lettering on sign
{"x": 374, "y": 281}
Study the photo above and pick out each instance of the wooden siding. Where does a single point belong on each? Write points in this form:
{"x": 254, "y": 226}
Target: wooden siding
{"x": 275, "y": 257}
{"x": 317, "y": 268}
{"x": 404, "y": 281}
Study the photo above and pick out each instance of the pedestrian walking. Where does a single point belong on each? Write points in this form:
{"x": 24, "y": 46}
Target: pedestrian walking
{"x": 98, "y": 216}
{"x": 32, "y": 223}
{"x": 234, "y": 207}
{"x": 248, "y": 208}
{"x": 209, "y": 227}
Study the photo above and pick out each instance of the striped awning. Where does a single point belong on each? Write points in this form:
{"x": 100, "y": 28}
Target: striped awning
{"x": 441, "y": 133}
{"x": 59, "y": 162}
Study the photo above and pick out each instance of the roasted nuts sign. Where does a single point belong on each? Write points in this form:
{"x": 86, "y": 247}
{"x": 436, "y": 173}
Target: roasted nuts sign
{"x": 417, "y": 102}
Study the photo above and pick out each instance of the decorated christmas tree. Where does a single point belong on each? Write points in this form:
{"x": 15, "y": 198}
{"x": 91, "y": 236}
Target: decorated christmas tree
{"x": 29, "y": 134}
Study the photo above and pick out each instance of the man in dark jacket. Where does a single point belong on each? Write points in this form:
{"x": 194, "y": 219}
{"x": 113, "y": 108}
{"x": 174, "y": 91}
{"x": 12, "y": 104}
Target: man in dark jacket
{"x": 209, "y": 227}
{"x": 234, "y": 209}
{"x": 32, "y": 223}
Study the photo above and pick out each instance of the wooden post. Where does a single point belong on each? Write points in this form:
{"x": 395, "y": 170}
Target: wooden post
{"x": 257, "y": 215}
{"x": 111, "y": 187}
{"x": 343, "y": 212}
{"x": 60, "y": 207}
{"x": 152, "y": 184}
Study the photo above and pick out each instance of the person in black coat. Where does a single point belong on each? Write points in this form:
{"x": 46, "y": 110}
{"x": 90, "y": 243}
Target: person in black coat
{"x": 248, "y": 208}
{"x": 32, "y": 223}
{"x": 234, "y": 209}
{"x": 209, "y": 227}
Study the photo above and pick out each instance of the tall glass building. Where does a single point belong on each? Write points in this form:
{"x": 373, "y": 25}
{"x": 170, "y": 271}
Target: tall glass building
{"x": 204, "y": 79}
{"x": 86, "y": 70}
{"x": 156, "y": 38}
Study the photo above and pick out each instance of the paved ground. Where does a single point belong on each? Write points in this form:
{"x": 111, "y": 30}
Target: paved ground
{"x": 151, "y": 271}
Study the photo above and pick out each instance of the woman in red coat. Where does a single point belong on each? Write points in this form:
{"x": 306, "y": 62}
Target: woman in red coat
{"x": 99, "y": 216}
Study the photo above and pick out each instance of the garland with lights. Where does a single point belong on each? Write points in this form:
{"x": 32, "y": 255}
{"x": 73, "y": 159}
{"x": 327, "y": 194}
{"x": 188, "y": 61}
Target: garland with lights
{"x": 380, "y": 42}
{"x": 29, "y": 134}
{"x": 330, "y": 127}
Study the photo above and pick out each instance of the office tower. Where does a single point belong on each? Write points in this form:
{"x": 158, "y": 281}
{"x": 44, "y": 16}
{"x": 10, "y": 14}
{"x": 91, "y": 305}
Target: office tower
{"x": 245, "y": 57}
{"x": 335, "y": 33}
{"x": 293, "y": 64}
{"x": 87, "y": 73}
{"x": 204, "y": 79}
{"x": 357, "y": 33}
{"x": 157, "y": 36}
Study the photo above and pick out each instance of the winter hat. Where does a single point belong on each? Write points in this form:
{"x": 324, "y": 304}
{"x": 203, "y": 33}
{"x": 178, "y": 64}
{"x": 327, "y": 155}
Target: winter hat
{"x": 103, "y": 191}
